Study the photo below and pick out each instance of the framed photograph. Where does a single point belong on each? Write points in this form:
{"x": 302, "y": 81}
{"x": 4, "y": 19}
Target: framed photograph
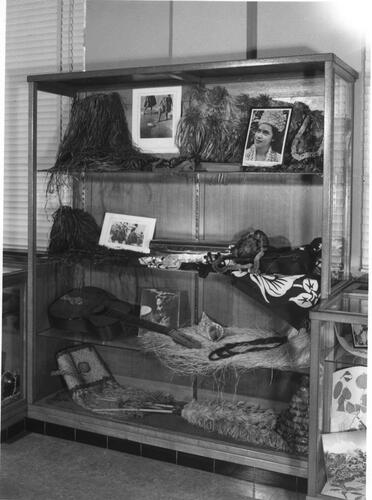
{"x": 161, "y": 307}
{"x": 266, "y": 137}
{"x": 360, "y": 336}
{"x": 127, "y": 232}
{"x": 155, "y": 115}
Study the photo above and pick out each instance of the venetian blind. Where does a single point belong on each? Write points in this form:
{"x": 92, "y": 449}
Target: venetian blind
{"x": 366, "y": 161}
{"x": 41, "y": 37}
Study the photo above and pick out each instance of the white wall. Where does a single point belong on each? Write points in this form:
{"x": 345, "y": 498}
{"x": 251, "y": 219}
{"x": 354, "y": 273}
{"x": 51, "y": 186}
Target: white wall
{"x": 126, "y": 33}
{"x": 129, "y": 32}
{"x": 292, "y": 28}
{"x": 214, "y": 30}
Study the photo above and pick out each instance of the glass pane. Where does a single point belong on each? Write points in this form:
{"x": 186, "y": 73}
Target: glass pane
{"x": 349, "y": 302}
{"x": 353, "y": 300}
{"x": 342, "y": 158}
{"x": 344, "y": 409}
{"x": 11, "y": 350}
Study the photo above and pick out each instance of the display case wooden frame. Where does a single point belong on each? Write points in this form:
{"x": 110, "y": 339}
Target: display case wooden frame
{"x": 346, "y": 307}
{"x": 197, "y": 197}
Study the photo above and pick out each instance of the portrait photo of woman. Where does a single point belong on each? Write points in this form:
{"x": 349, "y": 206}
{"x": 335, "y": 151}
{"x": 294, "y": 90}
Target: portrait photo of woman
{"x": 267, "y": 132}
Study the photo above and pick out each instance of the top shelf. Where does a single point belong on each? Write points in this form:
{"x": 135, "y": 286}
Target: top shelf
{"x": 190, "y": 73}
{"x": 349, "y": 305}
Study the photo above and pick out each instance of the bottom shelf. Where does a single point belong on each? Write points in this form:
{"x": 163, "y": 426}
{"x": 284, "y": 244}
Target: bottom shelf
{"x": 165, "y": 431}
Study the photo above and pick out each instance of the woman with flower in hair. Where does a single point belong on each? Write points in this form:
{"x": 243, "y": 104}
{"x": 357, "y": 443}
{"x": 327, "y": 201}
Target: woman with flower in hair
{"x": 268, "y": 137}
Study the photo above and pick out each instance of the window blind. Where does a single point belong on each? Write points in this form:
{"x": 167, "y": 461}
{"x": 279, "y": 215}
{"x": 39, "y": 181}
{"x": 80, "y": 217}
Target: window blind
{"x": 366, "y": 161}
{"x": 41, "y": 37}
{"x": 2, "y": 90}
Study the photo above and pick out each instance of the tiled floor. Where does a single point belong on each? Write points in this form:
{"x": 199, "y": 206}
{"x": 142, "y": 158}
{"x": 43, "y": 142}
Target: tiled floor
{"x": 39, "y": 467}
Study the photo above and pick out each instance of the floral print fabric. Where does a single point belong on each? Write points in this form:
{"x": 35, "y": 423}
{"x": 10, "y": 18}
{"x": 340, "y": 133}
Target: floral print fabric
{"x": 290, "y": 297}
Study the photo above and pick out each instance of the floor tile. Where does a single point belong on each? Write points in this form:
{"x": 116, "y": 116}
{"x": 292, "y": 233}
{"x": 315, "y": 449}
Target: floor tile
{"x": 60, "y": 431}
{"x": 91, "y": 438}
{"x": 33, "y": 425}
{"x": 159, "y": 453}
{"x": 40, "y": 467}
{"x": 195, "y": 461}
{"x": 124, "y": 445}
{"x": 263, "y": 492}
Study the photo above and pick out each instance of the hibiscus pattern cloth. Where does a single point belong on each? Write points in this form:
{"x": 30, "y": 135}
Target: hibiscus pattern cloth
{"x": 290, "y": 297}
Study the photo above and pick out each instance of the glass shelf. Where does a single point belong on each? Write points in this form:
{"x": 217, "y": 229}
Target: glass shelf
{"x": 342, "y": 359}
{"x": 343, "y": 352}
{"x": 353, "y": 299}
{"x": 128, "y": 340}
{"x": 232, "y": 169}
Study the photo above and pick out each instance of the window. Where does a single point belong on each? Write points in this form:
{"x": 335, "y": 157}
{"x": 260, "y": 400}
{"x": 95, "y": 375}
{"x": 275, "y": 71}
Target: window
{"x": 41, "y": 37}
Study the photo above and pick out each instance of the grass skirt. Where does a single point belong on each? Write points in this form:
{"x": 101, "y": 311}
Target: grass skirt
{"x": 292, "y": 355}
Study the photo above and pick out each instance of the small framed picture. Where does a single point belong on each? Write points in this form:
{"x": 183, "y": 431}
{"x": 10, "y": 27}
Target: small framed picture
{"x": 127, "y": 232}
{"x": 266, "y": 137}
{"x": 360, "y": 336}
{"x": 345, "y": 459}
{"x": 155, "y": 115}
{"x": 161, "y": 307}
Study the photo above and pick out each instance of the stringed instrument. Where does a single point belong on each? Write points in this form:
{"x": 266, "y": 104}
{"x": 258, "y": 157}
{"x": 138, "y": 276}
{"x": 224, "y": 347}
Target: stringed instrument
{"x": 95, "y": 311}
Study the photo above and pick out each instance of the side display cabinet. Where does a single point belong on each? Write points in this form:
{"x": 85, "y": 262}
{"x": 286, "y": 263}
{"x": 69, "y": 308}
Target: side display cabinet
{"x": 338, "y": 398}
{"x": 232, "y": 407}
{"x": 13, "y": 347}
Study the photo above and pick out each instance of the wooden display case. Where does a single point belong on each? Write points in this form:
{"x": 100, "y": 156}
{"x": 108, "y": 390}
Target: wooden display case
{"x": 200, "y": 208}
{"x": 338, "y": 396}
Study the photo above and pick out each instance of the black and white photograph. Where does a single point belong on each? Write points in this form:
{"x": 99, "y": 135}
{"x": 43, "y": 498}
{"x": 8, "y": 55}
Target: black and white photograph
{"x": 266, "y": 137}
{"x": 161, "y": 307}
{"x": 127, "y": 232}
{"x": 155, "y": 115}
{"x": 185, "y": 233}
